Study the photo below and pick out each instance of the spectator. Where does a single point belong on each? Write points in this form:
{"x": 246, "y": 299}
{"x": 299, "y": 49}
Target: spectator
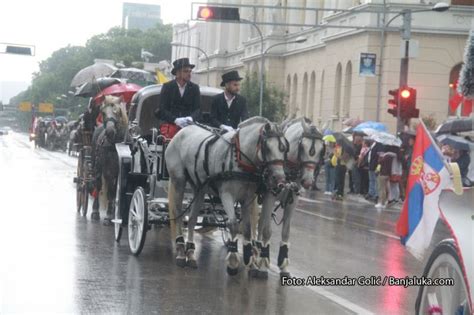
{"x": 340, "y": 172}
{"x": 363, "y": 168}
{"x": 407, "y": 153}
{"x": 329, "y": 169}
{"x": 372, "y": 161}
{"x": 355, "y": 174}
{"x": 395, "y": 175}
{"x": 317, "y": 169}
{"x": 384, "y": 170}
{"x": 463, "y": 159}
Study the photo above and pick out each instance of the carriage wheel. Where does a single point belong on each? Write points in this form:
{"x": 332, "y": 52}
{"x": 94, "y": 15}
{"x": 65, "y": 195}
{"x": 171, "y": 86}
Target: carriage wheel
{"x": 444, "y": 263}
{"x": 137, "y": 221}
{"x": 118, "y": 215}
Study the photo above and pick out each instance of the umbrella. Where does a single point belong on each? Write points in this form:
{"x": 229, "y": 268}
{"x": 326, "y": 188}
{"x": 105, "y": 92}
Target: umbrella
{"x": 352, "y": 122}
{"x": 456, "y": 142}
{"x": 127, "y": 90}
{"x": 135, "y": 75}
{"x": 346, "y": 144}
{"x": 327, "y": 132}
{"x": 371, "y": 125}
{"x": 90, "y": 89}
{"x": 61, "y": 119}
{"x": 90, "y": 73}
{"x": 329, "y": 138}
{"x": 456, "y": 125}
{"x": 386, "y": 138}
{"x": 348, "y": 130}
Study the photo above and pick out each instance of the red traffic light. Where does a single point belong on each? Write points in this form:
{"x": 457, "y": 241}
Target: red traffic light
{"x": 218, "y": 13}
{"x": 205, "y": 13}
{"x": 405, "y": 93}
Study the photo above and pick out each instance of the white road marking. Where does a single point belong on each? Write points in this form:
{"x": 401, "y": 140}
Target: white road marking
{"x": 325, "y": 293}
{"x": 385, "y": 234}
{"x": 315, "y": 214}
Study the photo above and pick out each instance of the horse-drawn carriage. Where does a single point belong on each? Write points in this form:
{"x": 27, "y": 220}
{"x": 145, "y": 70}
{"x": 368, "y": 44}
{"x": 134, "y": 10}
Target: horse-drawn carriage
{"x": 142, "y": 185}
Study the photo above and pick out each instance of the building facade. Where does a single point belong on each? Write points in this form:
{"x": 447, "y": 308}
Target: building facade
{"x": 321, "y": 76}
{"x": 140, "y": 16}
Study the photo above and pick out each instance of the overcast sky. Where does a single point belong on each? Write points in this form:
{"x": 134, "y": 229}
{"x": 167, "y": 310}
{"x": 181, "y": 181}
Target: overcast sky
{"x": 52, "y": 24}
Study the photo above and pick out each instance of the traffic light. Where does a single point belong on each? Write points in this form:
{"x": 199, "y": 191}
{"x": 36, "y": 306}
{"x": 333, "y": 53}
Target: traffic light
{"x": 408, "y": 103}
{"x": 208, "y": 13}
{"x": 393, "y": 103}
{"x": 406, "y": 98}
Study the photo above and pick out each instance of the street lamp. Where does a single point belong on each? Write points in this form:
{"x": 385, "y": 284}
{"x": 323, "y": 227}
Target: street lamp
{"x": 406, "y": 35}
{"x": 199, "y": 49}
{"x": 298, "y": 40}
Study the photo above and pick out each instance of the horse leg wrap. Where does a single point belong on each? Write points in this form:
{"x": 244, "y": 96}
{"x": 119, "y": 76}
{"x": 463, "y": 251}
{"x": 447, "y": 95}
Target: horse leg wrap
{"x": 248, "y": 254}
{"x": 232, "y": 258}
{"x": 283, "y": 256}
{"x": 264, "y": 262}
{"x": 191, "y": 260}
{"x": 180, "y": 250}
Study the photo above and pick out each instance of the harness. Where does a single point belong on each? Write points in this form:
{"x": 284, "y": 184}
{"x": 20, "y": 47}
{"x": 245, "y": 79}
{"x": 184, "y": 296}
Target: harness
{"x": 294, "y": 168}
{"x": 246, "y": 169}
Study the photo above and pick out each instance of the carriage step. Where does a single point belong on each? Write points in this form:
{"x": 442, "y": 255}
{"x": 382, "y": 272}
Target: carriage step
{"x": 117, "y": 221}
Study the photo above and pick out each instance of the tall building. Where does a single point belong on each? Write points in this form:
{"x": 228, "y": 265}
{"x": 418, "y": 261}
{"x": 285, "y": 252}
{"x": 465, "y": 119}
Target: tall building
{"x": 140, "y": 16}
{"x": 324, "y": 78}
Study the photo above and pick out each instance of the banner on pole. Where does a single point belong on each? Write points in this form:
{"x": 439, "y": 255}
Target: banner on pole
{"x": 367, "y": 64}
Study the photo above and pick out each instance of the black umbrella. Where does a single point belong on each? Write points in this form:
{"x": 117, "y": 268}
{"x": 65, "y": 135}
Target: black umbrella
{"x": 347, "y": 146}
{"x": 458, "y": 143}
{"x": 456, "y": 125}
{"x": 91, "y": 89}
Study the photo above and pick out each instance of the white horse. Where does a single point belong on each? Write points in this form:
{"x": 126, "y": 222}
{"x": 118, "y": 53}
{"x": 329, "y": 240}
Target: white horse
{"x": 226, "y": 166}
{"x": 306, "y": 144}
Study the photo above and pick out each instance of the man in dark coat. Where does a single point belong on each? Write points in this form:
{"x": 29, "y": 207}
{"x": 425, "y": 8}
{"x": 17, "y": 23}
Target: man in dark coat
{"x": 228, "y": 109}
{"x": 180, "y": 98}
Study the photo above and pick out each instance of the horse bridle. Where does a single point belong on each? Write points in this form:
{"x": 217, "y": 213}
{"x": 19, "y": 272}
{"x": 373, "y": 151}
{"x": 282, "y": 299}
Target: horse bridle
{"x": 265, "y": 135}
{"x": 112, "y": 119}
{"x": 313, "y": 135}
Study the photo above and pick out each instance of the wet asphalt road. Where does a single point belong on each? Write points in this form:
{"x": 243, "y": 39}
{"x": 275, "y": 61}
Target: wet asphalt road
{"x": 55, "y": 261}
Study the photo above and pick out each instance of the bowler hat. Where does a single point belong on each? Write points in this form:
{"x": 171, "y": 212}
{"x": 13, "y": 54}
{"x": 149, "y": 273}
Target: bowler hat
{"x": 230, "y": 76}
{"x": 179, "y": 64}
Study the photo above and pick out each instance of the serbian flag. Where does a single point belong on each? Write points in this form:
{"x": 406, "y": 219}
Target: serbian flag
{"x": 427, "y": 177}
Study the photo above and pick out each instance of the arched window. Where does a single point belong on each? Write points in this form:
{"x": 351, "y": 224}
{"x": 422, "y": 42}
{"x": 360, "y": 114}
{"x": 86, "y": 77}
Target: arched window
{"x": 304, "y": 99}
{"x": 458, "y": 106}
{"x": 337, "y": 90}
{"x": 346, "y": 103}
{"x": 321, "y": 97}
{"x": 288, "y": 91}
{"x": 294, "y": 106}
{"x": 312, "y": 96}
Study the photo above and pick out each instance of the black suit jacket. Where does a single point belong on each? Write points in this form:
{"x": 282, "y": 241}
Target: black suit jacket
{"x": 221, "y": 114}
{"x": 374, "y": 156}
{"x": 172, "y": 105}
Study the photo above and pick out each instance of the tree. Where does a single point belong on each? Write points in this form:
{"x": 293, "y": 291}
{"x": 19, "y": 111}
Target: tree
{"x": 466, "y": 78}
{"x": 273, "y": 99}
{"x": 56, "y": 72}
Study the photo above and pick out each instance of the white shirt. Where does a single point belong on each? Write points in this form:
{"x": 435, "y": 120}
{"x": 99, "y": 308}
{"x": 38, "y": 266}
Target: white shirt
{"x": 229, "y": 100}
{"x": 181, "y": 88}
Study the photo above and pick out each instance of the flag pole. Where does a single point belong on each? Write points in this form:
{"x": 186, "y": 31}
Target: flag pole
{"x": 453, "y": 168}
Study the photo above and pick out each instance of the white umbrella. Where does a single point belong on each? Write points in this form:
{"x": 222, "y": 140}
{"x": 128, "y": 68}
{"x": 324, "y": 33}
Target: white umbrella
{"x": 93, "y": 72}
{"x": 386, "y": 139}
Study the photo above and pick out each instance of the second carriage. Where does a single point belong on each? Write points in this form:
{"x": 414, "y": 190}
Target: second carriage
{"x": 142, "y": 185}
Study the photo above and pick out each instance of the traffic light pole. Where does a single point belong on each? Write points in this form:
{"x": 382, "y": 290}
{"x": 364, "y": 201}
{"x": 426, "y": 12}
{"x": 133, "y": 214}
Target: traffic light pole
{"x": 406, "y": 34}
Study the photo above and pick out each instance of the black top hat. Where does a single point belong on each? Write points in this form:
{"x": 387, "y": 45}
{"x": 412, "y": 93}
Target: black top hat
{"x": 181, "y": 63}
{"x": 230, "y": 76}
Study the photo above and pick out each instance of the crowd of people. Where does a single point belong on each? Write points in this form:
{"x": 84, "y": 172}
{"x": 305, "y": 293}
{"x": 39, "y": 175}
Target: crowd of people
{"x": 379, "y": 172}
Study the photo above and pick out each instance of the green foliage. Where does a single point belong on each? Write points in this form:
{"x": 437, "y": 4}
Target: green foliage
{"x": 273, "y": 99}
{"x": 56, "y": 72}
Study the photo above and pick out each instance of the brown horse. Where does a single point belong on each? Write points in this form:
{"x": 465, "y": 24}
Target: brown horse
{"x": 112, "y": 131}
